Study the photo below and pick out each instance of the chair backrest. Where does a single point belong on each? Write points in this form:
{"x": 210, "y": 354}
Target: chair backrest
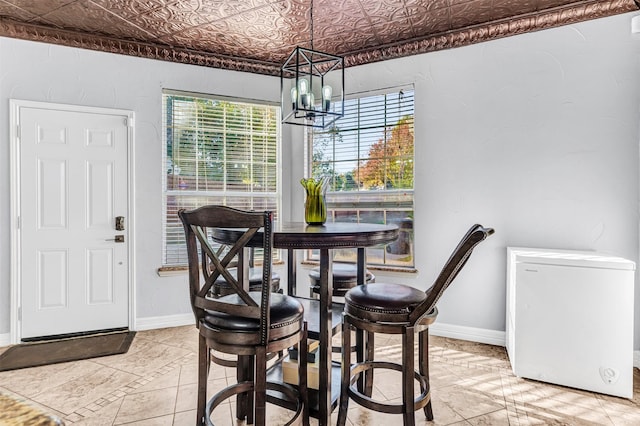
{"x": 216, "y": 263}
{"x": 474, "y": 236}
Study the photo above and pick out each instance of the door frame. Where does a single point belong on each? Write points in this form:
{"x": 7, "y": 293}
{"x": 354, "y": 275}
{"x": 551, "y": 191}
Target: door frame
{"x": 14, "y": 151}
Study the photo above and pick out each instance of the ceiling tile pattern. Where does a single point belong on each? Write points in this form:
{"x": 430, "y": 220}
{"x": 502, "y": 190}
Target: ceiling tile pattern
{"x": 257, "y": 35}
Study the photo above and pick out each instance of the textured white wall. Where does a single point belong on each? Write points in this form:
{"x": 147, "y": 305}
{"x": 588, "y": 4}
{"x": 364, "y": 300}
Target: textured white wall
{"x": 49, "y": 73}
{"x": 535, "y": 135}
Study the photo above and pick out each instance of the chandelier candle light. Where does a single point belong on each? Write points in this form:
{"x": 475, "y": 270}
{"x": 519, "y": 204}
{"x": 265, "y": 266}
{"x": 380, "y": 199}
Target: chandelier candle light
{"x": 315, "y": 205}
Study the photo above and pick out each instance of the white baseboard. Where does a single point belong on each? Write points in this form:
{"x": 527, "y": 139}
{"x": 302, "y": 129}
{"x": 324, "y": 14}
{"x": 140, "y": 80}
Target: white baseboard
{"x": 636, "y": 359}
{"x": 151, "y": 323}
{"x": 480, "y": 335}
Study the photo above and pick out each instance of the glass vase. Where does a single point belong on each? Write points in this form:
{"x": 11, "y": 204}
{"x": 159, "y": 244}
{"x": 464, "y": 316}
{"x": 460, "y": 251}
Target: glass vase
{"x": 315, "y": 209}
{"x": 315, "y": 205}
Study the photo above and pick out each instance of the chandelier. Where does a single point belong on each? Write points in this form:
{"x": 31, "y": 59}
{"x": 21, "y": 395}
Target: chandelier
{"x": 312, "y": 87}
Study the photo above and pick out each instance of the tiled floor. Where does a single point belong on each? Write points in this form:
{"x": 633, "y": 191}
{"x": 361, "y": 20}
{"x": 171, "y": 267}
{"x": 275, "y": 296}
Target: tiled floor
{"x": 155, "y": 384}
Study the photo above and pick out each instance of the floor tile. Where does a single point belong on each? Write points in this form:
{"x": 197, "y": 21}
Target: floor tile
{"x": 39, "y": 380}
{"x": 155, "y": 421}
{"x": 186, "y": 418}
{"x": 144, "y": 357}
{"x": 105, "y": 416}
{"x": 500, "y": 417}
{"x": 465, "y": 402}
{"x": 168, "y": 380}
{"x": 155, "y": 383}
{"x": 151, "y": 404}
{"x": 83, "y": 390}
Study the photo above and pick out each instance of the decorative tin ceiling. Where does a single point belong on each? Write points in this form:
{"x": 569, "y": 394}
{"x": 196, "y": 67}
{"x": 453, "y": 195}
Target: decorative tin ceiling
{"x": 257, "y": 35}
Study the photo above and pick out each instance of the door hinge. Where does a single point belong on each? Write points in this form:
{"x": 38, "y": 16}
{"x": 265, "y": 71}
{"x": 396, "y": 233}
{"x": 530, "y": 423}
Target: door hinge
{"x": 129, "y": 122}
{"x": 19, "y": 313}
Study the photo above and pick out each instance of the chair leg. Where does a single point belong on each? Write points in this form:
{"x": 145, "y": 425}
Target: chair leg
{"x": 302, "y": 373}
{"x": 242, "y": 375}
{"x": 369, "y": 344}
{"x": 360, "y": 357}
{"x": 408, "y": 369}
{"x": 346, "y": 372}
{"x": 250, "y": 376}
{"x": 260, "y": 386}
{"x": 203, "y": 373}
{"x": 365, "y": 344}
{"x": 423, "y": 352}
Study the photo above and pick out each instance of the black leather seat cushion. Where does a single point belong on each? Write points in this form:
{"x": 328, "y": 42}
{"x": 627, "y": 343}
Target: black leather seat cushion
{"x": 342, "y": 272}
{"x": 284, "y": 310}
{"x": 387, "y": 298}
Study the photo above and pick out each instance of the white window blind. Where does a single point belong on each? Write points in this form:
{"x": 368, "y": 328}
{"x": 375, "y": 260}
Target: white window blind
{"x": 217, "y": 151}
{"x": 369, "y": 155}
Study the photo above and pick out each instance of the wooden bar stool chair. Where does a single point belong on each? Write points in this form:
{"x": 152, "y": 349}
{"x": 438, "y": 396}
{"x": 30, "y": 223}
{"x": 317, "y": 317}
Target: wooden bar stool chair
{"x": 345, "y": 277}
{"x": 398, "y": 309}
{"x": 222, "y": 287}
{"x": 247, "y": 324}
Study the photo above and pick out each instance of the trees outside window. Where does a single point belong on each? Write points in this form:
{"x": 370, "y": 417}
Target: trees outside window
{"x": 369, "y": 156}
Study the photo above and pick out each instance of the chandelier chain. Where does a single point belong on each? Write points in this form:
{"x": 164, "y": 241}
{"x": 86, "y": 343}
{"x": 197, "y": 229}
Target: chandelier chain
{"x": 311, "y": 11}
{"x": 308, "y": 76}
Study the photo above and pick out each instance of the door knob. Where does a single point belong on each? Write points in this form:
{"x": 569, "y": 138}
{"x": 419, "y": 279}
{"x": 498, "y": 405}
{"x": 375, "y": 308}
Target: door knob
{"x": 117, "y": 239}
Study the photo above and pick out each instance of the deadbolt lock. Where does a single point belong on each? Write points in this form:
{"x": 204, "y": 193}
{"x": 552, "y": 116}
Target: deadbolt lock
{"x": 119, "y": 223}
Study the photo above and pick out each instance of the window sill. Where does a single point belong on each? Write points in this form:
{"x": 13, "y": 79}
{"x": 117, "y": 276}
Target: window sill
{"x": 171, "y": 271}
{"x": 370, "y": 267}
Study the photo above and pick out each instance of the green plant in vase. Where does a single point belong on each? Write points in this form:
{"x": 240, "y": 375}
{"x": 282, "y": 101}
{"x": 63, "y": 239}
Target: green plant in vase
{"x": 315, "y": 206}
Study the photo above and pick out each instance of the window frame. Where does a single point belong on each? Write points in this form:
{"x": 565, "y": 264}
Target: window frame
{"x": 167, "y": 193}
{"x": 406, "y": 230}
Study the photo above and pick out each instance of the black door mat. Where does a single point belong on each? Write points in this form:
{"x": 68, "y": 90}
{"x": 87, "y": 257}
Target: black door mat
{"x": 34, "y": 354}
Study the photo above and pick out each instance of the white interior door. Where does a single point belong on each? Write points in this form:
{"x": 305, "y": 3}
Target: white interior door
{"x": 73, "y": 184}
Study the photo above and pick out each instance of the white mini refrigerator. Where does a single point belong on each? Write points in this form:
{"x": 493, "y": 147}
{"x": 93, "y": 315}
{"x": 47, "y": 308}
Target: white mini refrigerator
{"x": 570, "y": 319}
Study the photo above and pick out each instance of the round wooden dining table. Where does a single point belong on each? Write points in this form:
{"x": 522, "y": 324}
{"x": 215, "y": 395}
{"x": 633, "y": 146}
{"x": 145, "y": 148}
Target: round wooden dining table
{"x": 293, "y": 236}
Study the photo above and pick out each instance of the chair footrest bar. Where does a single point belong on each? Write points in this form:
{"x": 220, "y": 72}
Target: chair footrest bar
{"x": 289, "y": 391}
{"x": 359, "y": 368}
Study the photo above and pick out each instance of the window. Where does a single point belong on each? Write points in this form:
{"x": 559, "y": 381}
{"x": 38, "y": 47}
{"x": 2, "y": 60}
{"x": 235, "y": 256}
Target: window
{"x": 368, "y": 155}
{"x": 217, "y": 151}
